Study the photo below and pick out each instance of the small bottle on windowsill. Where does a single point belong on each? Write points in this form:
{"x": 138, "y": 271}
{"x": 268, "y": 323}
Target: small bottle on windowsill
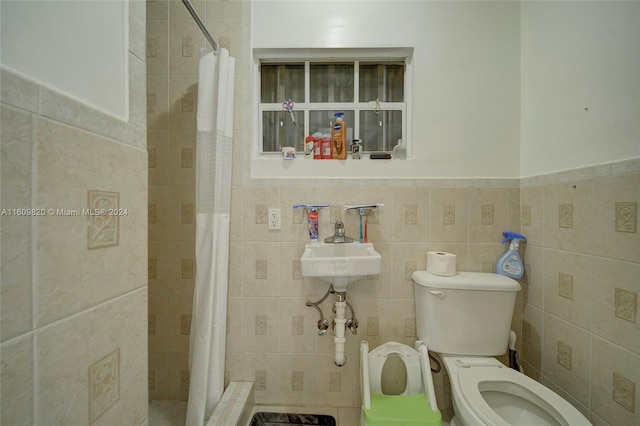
{"x": 400, "y": 151}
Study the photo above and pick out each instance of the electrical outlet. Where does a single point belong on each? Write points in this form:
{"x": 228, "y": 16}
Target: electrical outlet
{"x": 274, "y": 220}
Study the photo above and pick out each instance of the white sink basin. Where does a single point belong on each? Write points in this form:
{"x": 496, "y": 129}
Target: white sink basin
{"x": 340, "y": 264}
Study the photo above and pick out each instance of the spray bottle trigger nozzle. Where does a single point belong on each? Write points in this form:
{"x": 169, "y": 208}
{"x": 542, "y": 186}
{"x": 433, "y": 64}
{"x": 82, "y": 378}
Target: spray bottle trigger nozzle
{"x": 512, "y": 236}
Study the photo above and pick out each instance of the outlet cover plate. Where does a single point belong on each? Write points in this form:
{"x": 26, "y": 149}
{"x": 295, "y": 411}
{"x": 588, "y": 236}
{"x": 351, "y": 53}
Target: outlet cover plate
{"x": 274, "y": 220}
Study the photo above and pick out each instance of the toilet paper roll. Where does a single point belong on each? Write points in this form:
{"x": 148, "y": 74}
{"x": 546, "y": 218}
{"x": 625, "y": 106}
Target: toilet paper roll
{"x": 441, "y": 263}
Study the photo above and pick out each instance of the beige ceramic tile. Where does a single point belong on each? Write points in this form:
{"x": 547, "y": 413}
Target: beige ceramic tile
{"x": 292, "y": 283}
{"x": 157, "y": 152}
{"x": 158, "y": 269}
{"x": 158, "y": 324}
{"x": 568, "y": 216}
{"x": 615, "y": 378}
{"x": 255, "y": 203}
{"x": 183, "y": 100}
{"x": 616, "y": 302}
{"x": 179, "y": 324}
{"x": 449, "y": 215}
{"x": 234, "y": 325}
{"x": 15, "y": 286}
{"x": 66, "y": 172}
{"x": 533, "y": 279}
{"x": 260, "y": 269}
{"x": 532, "y": 214}
{"x": 228, "y": 34}
{"x": 181, "y": 219}
{"x": 186, "y": 42}
{"x": 483, "y": 257}
{"x": 178, "y": 383}
{"x": 158, "y": 375}
{"x": 16, "y": 371}
{"x": 181, "y": 158}
{"x": 177, "y": 10}
{"x": 568, "y": 284}
{"x": 261, "y": 325}
{"x": 407, "y": 258}
{"x": 157, "y": 213}
{"x": 66, "y": 351}
{"x": 157, "y": 49}
{"x": 158, "y": 10}
{"x": 532, "y": 336}
{"x": 514, "y": 211}
{"x": 265, "y": 370}
{"x": 157, "y": 102}
{"x": 567, "y": 357}
{"x": 616, "y": 231}
{"x": 488, "y": 214}
{"x": 411, "y": 214}
{"x": 182, "y": 269}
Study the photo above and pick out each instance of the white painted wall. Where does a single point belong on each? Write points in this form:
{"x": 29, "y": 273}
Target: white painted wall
{"x": 76, "y": 47}
{"x": 580, "y": 84}
{"x": 466, "y": 79}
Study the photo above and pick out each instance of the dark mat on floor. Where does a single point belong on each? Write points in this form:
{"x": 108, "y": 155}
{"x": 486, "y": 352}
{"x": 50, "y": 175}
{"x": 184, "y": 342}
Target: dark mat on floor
{"x": 287, "y": 419}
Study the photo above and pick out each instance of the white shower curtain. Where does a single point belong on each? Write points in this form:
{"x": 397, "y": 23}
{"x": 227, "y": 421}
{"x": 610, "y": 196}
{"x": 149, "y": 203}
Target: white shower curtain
{"x": 213, "y": 205}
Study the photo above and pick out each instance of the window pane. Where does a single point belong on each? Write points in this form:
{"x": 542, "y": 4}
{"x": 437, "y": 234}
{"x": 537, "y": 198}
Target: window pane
{"x": 331, "y": 82}
{"x": 279, "y": 131}
{"x": 382, "y": 81}
{"x": 321, "y": 121}
{"x": 280, "y": 82}
{"x": 380, "y": 132}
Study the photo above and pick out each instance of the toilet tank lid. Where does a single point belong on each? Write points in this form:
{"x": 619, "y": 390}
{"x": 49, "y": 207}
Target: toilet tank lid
{"x": 467, "y": 281}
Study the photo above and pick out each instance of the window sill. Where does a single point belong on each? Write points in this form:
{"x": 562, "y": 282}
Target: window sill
{"x": 275, "y": 167}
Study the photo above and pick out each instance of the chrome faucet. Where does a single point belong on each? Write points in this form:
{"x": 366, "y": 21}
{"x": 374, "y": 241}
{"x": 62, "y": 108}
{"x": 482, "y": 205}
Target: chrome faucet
{"x": 339, "y": 237}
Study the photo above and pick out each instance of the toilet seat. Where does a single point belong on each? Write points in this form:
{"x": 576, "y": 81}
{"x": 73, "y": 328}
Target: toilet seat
{"x": 498, "y": 379}
{"x": 509, "y": 396}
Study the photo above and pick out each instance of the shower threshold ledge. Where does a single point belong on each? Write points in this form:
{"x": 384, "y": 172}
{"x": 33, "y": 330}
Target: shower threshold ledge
{"x": 235, "y": 406}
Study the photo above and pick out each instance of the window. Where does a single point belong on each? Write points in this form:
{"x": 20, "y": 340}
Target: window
{"x": 371, "y": 93}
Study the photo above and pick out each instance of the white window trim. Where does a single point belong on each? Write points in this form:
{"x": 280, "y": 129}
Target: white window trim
{"x": 272, "y": 165}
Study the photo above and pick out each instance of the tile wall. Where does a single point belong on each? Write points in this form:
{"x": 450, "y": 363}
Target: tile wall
{"x": 272, "y": 335}
{"x": 581, "y": 326}
{"x": 73, "y": 345}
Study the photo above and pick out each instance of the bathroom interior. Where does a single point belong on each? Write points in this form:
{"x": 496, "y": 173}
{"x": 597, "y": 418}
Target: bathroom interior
{"x": 523, "y": 116}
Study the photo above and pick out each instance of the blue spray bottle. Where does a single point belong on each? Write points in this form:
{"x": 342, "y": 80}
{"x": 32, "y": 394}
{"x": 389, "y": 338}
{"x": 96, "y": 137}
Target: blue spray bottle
{"x": 510, "y": 263}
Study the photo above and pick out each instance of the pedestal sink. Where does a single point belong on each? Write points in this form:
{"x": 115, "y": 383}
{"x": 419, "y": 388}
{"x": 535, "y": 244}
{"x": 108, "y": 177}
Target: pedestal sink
{"x": 340, "y": 264}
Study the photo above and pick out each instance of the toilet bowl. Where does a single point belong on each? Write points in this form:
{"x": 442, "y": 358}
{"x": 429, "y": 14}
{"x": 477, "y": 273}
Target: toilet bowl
{"x": 485, "y": 392}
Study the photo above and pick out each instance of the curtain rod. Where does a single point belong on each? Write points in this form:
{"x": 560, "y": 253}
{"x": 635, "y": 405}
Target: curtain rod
{"x": 193, "y": 13}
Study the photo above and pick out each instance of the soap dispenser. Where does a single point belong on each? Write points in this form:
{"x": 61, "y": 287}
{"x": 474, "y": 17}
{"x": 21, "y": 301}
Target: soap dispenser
{"x": 400, "y": 151}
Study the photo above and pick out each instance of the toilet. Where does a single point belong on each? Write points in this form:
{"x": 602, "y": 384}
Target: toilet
{"x": 467, "y": 318}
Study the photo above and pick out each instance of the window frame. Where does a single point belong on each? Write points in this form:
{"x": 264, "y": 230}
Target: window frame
{"x": 356, "y": 56}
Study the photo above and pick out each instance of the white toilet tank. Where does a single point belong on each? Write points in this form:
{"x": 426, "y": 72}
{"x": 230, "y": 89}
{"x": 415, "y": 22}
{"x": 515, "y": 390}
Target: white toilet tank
{"x": 466, "y": 314}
